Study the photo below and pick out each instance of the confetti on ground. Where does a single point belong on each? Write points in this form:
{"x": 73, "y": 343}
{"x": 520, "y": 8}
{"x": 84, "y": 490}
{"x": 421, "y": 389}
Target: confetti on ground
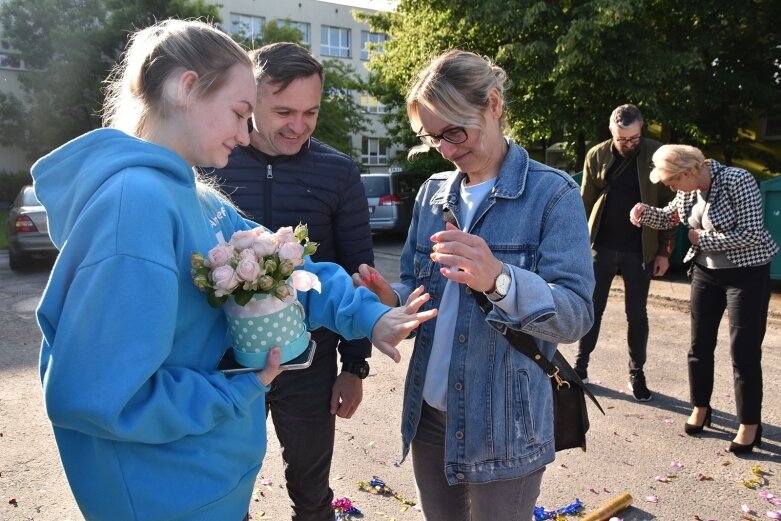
{"x": 676, "y": 465}
{"x": 702, "y": 477}
{"x": 541, "y": 514}
{"x": 343, "y": 507}
{"x": 652, "y": 499}
{"x": 377, "y": 486}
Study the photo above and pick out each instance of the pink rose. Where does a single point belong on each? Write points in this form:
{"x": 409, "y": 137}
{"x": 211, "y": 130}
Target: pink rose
{"x": 293, "y": 252}
{"x": 286, "y": 234}
{"x": 225, "y": 280}
{"x": 220, "y": 255}
{"x": 264, "y": 245}
{"x": 248, "y": 254}
{"x": 248, "y": 270}
{"x": 242, "y": 240}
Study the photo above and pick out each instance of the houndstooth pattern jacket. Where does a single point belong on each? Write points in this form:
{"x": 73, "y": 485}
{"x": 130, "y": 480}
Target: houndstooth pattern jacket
{"x": 735, "y": 209}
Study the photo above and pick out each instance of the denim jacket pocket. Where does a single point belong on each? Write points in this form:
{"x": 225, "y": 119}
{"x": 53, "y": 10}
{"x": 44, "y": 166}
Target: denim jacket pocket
{"x": 522, "y": 423}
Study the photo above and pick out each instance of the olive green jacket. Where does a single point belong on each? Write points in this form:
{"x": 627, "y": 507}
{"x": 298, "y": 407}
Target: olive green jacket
{"x": 594, "y": 190}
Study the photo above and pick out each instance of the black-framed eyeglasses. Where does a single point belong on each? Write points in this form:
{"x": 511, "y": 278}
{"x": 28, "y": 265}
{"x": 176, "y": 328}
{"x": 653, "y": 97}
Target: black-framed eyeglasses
{"x": 632, "y": 139}
{"x": 455, "y": 135}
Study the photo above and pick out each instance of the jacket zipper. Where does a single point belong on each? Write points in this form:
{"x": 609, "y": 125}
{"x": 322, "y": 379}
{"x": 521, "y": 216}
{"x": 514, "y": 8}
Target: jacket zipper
{"x": 267, "y": 209}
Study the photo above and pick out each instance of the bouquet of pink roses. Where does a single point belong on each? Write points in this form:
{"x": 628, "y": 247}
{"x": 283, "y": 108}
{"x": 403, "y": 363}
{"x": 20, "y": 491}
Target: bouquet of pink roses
{"x": 256, "y": 262}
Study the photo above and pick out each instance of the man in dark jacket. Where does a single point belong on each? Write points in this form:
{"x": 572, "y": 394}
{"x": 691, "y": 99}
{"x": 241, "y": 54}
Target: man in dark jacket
{"x": 615, "y": 177}
{"x": 282, "y": 178}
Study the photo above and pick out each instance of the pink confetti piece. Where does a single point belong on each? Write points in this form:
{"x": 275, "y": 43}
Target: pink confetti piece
{"x": 765, "y": 494}
{"x": 676, "y": 465}
{"x": 746, "y": 509}
{"x": 593, "y": 491}
{"x": 725, "y": 395}
{"x": 668, "y": 421}
{"x": 605, "y": 490}
{"x": 652, "y": 499}
{"x": 662, "y": 479}
{"x": 267, "y": 482}
{"x": 774, "y": 514}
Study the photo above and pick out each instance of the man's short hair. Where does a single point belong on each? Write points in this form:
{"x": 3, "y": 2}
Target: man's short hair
{"x": 625, "y": 116}
{"x": 283, "y": 62}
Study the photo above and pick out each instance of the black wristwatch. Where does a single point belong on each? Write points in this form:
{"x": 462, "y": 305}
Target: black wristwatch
{"x": 359, "y": 369}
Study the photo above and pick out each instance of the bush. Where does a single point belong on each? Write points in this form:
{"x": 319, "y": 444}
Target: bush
{"x": 11, "y": 183}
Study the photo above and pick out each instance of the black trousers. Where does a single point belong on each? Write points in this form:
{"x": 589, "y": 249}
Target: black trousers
{"x": 637, "y": 280}
{"x": 745, "y": 294}
{"x": 299, "y": 403}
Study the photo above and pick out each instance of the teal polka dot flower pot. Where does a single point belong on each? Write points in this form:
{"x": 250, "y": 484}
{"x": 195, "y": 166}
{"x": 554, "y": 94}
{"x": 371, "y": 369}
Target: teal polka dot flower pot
{"x": 265, "y": 322}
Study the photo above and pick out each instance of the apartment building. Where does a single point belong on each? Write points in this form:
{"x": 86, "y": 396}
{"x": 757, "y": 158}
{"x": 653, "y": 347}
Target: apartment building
{"x": 329, "y": 30}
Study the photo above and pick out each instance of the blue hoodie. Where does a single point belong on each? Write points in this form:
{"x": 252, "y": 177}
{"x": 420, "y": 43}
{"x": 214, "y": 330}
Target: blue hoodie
{"x": 146, "y": 427}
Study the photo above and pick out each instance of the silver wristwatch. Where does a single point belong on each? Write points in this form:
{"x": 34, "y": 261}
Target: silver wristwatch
{"x": 501, "y": 285}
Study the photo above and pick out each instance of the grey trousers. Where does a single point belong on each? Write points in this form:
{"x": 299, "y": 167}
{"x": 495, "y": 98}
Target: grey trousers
{"x": 505, "y": 500}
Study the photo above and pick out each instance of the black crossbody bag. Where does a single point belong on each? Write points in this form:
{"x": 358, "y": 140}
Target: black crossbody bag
{"x": 570, "y": 415}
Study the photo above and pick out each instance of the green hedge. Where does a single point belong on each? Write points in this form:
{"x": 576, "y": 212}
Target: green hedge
{"x": 11, "y": 183}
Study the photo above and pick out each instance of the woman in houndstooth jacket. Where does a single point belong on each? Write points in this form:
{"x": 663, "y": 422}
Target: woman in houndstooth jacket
{"x": 731, "y": 250}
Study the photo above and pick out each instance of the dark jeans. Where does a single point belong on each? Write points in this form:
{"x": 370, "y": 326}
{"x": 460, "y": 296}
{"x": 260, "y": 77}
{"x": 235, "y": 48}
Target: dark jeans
{"x": 299, "y": 402}
{"x": 637, "y": 280}
{"x": 745, "y": 294}
{"x": 510, "y": 499}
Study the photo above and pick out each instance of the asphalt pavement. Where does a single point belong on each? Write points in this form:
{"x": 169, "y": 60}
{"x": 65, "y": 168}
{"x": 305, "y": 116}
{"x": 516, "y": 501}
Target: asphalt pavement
{"x": 639, "y": 448}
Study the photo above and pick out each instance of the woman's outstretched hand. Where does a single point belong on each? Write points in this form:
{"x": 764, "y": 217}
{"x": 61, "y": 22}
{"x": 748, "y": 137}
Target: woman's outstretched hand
{"x": 371, "y": 279}
{"x": 396, "y": 325}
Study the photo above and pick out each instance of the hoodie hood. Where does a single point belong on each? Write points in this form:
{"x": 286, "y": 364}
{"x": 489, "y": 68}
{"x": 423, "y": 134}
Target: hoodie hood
{"x": 69, "y": 176}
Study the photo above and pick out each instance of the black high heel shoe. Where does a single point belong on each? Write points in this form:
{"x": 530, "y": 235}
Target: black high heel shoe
{"x": 739, "y": 448}
{"x": 691, "y": 430}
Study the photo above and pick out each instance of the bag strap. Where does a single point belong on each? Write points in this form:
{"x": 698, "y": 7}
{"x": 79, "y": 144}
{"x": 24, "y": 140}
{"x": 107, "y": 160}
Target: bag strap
{"x": 525, "y": 344}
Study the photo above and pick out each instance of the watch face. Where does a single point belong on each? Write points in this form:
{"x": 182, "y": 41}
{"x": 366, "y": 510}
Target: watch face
{"x": 503, "y": 283}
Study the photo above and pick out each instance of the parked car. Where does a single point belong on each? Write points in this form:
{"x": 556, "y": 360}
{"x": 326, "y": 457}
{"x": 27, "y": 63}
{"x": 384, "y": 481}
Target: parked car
{"x": 391, "y": 198}
{"x": 27, "y": 230}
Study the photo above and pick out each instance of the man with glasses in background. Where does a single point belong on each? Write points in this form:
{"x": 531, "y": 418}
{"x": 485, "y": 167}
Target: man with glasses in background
{"x": 615, "y": 177}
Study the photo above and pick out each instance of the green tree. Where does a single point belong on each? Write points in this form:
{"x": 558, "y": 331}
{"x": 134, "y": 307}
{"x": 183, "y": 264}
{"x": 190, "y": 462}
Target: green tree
{"x": 340, "y": 115}
{"x": 68, "y": 49}
{"x": 698, "y": 68}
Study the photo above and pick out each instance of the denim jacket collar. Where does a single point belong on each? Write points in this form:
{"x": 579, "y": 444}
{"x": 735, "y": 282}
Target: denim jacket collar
{"x": 509, "y": 184}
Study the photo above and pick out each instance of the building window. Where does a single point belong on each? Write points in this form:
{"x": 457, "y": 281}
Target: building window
{"x": 335, "y": 41}
{"x": 372, "y": 105}
{"x": 10, "y": 60}
{"x": 374, "y": 151}
{"x": 248, "y": 27}
{"x": 301, "y": 26}
{"x": 371, "y": 43}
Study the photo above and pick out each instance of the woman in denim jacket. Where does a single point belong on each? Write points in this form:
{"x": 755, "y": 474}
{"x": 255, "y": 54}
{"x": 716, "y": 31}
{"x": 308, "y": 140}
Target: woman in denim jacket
{"x": 477, "y": 413}
{"x": 732, "y": 250}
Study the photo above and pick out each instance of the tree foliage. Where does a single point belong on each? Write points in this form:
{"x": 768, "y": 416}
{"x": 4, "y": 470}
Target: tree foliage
{"x": 68, "y": 49}
{"x": 700, "y": 68}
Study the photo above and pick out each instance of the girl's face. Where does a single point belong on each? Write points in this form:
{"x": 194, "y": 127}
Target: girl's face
{"x": 481, "y": 154}
{"x": 215, "y": 124}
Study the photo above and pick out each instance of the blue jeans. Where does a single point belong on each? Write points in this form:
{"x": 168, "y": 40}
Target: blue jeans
{"x": 637, "y": 281}
{"x": 510, "y": 499}
{"x": 299, "y": 403}
{"x": 745, "y": 294}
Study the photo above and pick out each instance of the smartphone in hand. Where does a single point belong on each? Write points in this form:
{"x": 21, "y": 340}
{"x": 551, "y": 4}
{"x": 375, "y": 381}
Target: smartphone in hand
{"x": 229, "y": 365}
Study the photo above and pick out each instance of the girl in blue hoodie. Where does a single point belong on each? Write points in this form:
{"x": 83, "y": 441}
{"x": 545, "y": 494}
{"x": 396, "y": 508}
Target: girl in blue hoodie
{"x": 146, "y": 427}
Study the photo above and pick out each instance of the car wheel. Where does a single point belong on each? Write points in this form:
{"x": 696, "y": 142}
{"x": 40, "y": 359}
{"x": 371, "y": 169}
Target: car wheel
{"x": 15, "y": 262}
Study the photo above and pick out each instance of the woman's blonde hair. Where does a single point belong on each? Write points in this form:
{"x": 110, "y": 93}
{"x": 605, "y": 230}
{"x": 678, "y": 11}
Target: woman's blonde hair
{"x": 670, "y": 161}
{"x": 456, "y": 86}
{"x": 135, "y": 92}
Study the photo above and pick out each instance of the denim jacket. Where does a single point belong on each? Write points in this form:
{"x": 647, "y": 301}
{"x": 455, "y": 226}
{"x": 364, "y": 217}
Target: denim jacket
{"x": 499, "y": 406}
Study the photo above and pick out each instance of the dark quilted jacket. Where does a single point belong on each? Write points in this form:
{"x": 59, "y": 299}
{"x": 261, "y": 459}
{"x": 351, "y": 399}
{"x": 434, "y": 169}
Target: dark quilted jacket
{"x": 320, "y": 187}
